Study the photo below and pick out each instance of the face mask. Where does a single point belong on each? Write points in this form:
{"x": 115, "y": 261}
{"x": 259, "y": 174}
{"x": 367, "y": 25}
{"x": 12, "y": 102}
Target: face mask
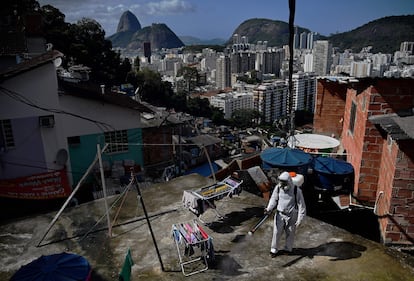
{"x": 284, "y": 185}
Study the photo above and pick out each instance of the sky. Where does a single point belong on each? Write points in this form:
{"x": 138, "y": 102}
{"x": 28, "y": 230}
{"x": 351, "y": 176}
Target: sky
{"x": 209, "y": 19}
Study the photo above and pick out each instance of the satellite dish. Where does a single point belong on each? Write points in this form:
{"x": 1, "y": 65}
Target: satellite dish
{"x": 57, "y": 62}
{"x": 61, "y": 157}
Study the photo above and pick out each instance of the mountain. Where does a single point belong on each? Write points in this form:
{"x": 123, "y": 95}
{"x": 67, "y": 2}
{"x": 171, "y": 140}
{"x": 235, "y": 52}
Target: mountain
{"x": 128, "y": 22}
{"x": 127, "y": 26}
{"x": 158, "y": 34}
{"x": 130, "y": 35}
{"x": 275, "y": 32}
{"x": 384, "y": 35}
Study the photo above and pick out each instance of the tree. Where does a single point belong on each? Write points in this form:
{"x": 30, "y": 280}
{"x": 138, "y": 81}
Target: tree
{"x": 191, "y": 76}
{"x": 217, "y": 116}
{"x": 244, "y": 118}
{"x": 152, "y": 89}
{"x": 136, "y": 64}
{"x": 199, "y": 107}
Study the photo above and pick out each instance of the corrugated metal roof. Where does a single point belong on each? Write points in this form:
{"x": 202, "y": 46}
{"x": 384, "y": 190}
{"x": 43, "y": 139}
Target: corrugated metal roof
{"x": 399, "y": 127}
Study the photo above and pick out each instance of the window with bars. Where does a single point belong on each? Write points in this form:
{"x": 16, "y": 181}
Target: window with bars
{"x": 6, "y": 135}
{"x": 117, "y": 141}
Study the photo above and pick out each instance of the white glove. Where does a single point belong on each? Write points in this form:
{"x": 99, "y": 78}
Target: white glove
{"x": 297, "y": 223}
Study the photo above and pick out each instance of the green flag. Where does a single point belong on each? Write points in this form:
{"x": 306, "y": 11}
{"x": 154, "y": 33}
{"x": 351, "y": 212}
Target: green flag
{"x": 125, "y": 274}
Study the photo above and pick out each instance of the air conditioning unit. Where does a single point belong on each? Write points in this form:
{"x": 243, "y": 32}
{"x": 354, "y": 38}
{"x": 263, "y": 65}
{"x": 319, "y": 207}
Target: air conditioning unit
{"x": 47, "y": 121}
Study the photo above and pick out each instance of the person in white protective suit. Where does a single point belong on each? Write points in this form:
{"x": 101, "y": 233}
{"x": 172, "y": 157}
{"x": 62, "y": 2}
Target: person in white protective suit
{"x": 287, "y": 199}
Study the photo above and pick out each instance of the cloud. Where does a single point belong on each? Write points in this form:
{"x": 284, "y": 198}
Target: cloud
{"x": 166, "y": 7}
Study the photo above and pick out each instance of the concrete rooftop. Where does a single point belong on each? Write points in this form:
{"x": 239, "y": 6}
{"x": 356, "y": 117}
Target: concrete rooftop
{"x": 321, "y": 252}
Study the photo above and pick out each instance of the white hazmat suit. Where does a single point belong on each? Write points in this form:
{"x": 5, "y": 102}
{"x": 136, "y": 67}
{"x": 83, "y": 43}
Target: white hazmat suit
{"x": 290, "y": 210}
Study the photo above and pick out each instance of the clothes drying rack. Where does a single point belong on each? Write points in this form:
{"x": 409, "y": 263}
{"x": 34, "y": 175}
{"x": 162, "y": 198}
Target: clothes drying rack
{"x": 197, "y": 201}
{"x": 194, "y": 247}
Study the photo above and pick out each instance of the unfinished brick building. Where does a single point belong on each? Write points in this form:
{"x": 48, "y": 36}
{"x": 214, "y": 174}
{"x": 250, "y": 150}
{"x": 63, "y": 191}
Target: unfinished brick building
{"x": 374, "y": 119}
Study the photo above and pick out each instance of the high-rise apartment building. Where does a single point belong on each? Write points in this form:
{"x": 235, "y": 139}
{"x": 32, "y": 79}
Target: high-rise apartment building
{"x": 407, "y": 47}
{"x": 304, "y": 91}
{"x": 270, "y": 100}
{"x": 230, "y": 102}
{"x": 223, "y": 72}
{"x": 303, "y": 40}
{"x": 311, "y": 38}
{"x": 308, "y": 62}
{"x": 361, "y": 69}
{"x": 242, "y": 61}
{"x": 322, "y": 57}
{"x": 270, "y": 61}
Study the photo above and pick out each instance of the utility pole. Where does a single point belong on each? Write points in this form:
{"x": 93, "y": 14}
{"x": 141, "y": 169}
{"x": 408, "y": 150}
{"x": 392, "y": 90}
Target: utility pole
{"x": 291, "y": 110}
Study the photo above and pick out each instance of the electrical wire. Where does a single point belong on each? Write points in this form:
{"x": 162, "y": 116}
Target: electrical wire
{"x": 22, "y": 99}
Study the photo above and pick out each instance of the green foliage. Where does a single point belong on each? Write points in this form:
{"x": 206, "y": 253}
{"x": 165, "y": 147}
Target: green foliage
{"x": 191, "y": 77}
{"x": 217, "y": 116}
{"x": 199, "y": 107}
{"x": 84, "y": 43}
{"x": 245, "y": 118}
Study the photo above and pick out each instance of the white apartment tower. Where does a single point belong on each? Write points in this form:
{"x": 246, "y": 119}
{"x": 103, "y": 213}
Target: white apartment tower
{"x": 303, "y": 40}
{"x": 304, "y": 91}
{"x": 230, "y": 102}
{"x": 361, "y": 69}
{"x": 223, "y": 72}
{"x": 270, "y": 100}
{"x": 322, "y": 57}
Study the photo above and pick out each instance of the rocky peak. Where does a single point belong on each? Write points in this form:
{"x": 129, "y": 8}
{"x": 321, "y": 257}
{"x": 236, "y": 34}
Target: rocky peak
{"x": 128, "y": 22}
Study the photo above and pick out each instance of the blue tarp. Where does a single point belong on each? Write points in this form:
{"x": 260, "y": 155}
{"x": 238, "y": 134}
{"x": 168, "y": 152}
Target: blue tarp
{"x": 203, "y": 170}
{"x": 57, "y": 267}
{"x": 328, "y": 165}
{"x": 285, "y": 157}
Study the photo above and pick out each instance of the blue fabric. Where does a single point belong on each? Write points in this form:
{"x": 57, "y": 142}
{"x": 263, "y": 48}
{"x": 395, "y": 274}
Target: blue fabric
{"x": 285, "y": 157}
{"x": 332, "y": 166}
{"x": 203, "y": 170}
{"x": 57, "y": 267}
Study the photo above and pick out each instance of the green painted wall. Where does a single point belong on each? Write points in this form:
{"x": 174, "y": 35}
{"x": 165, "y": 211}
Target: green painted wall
{"x": 82, "y": 155}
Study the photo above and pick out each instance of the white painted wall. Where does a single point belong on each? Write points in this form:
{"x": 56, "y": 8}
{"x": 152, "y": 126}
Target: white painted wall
{"x": 117, "y": 117}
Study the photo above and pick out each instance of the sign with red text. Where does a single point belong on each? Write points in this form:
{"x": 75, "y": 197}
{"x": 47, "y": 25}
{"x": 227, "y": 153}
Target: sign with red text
{"x": 50, "y": 185}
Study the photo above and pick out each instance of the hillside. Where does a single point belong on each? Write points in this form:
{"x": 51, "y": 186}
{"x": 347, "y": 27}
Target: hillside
{"x": 273, "y": 31}
{"x": 384, "y": 35}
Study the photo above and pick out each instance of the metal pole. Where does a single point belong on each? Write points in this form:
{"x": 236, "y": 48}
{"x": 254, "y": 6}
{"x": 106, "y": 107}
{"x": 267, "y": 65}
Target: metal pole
{"x": 148, "y": 221}
{"x": 69, "y": 198}
{"x": 209, "y": 162}
{"x": 291, "y": 111}
{"x": 98, "y": 149}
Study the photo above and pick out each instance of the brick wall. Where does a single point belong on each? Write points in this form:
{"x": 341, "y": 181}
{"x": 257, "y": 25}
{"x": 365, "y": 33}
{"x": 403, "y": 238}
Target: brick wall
{"x": 384, "y": 168}
{"x": 329, "y": 108}
{"x": 400, "y": 222}
{"x": 157, "y": 154}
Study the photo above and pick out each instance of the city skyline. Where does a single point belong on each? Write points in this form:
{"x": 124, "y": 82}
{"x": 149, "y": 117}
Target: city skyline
{"x": 189, "y": 17}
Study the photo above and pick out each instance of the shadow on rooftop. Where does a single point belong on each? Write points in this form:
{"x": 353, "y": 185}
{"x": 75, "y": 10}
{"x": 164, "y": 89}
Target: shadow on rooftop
{"x": 336, "y": 250}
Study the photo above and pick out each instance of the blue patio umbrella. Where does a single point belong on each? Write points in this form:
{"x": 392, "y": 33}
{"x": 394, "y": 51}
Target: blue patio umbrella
{"x": 329, "y": 165}
{"x": 56, "y": 267}
{"x": 333, "y": 174}
{"x": 285, "y": 157}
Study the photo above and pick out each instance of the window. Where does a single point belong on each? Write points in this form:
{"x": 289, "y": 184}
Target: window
{"x": 352, "y": 118}
{"x": 6, "y": 135}
{"x": 115, "y": 137}
{"x": 73, "y": 141}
